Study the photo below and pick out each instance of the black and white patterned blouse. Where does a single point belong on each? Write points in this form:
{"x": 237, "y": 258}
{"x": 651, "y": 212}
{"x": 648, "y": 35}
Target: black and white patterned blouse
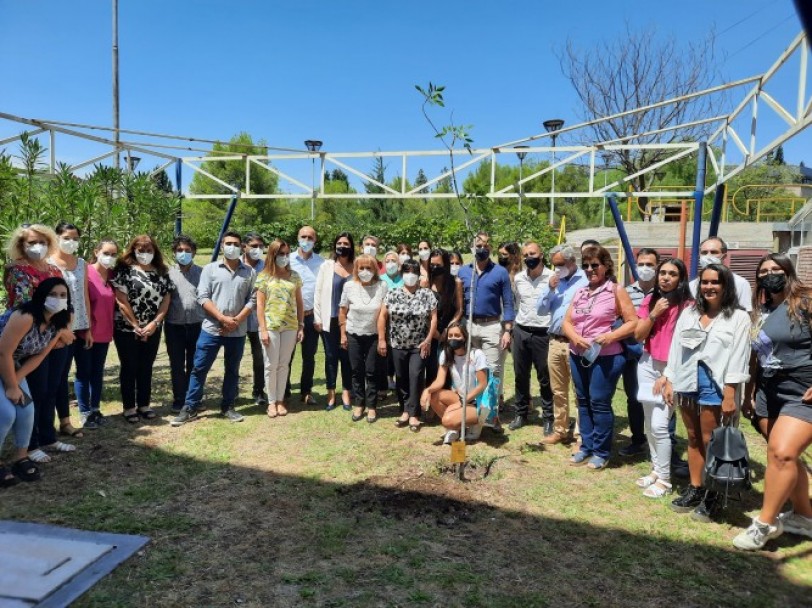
{"x": 409, "y": 316}
{"x": 145, "y": 291}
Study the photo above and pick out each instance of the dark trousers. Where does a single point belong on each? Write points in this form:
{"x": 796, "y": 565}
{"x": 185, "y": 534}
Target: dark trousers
{"x": 90, "y": 376}
{"x": 333, "y": 355}
{"x": 530, "y": 352}
{"x": 63, "y": 371}
{"x": 257, "y": 363}
{"x": 44, "y": 385}
{"x": 309, "y": 346}
{"x": 181, "y": 341}
{"x": 363, "y": 352}
{"x": 410, "y": 378}
{"x": 432, "y": 362}
{"x": 634, "y": 408}
{"x": 137, "y": 358}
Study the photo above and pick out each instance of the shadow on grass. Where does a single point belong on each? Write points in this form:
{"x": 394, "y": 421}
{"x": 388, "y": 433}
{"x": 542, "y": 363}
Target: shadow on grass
{"x": 224, "y": 535}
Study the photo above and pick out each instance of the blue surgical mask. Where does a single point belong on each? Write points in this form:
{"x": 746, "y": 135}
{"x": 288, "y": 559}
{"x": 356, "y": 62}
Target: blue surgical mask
{"x": 305, "y": 245}
{"x": 184, "y": 258}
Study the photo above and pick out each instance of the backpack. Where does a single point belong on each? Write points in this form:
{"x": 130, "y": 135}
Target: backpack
{"x": 727, "y": 462}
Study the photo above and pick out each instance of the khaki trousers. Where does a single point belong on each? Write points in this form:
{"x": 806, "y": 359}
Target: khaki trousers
{"x": 558, "y": 363}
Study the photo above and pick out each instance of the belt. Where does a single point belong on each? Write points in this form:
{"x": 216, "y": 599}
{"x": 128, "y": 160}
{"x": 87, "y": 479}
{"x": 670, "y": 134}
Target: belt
{"x": 308, "y": 313}
{"x": 559, "y": 338}
{"x": 484, "y": 319}
{"x": 536, "y": 331}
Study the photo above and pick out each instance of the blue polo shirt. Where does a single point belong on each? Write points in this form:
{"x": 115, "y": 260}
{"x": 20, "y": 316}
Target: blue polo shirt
{"x": 494, "y": 296}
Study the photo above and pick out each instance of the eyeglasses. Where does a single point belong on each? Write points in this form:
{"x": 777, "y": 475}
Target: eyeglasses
{"x": 593, "y": 266}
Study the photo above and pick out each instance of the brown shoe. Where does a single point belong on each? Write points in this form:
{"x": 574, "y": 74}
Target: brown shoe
{"x": 553, "y": 439}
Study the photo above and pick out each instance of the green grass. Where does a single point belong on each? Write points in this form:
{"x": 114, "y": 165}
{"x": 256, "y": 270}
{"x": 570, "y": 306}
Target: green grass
{"x": 313, "y": 510}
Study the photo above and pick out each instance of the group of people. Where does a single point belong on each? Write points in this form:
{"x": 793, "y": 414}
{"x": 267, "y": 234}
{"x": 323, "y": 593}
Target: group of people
{"x": 434, "y": 329}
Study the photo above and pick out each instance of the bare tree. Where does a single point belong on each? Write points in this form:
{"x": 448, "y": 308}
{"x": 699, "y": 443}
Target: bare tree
{"x": 635, "y": 70}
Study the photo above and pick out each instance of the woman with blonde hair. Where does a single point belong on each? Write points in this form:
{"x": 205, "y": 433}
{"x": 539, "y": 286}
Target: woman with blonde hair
{"x": 281, "y": 321}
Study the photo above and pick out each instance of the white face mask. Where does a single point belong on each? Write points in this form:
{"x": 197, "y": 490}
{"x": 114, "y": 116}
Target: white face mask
{"x": 68, "y": 246}
{"x": 562, "y": 272}
{"x": 55, "y": 305}
{"x": 705, "y": 260}
{"x": 403, "y": 257}
{"x": 455, "y": 269}
{"x": 424, "y": 254}
{"x": 365, "y": 275}
{"x": 281, "y": 261}
{"x": 371, "y": 250}
{"x": 255, "y": 253}
{"x": 391, "y": 268}
{"x": 231, "y": 252}
{"x": 305, "y": 245}
{"x": 410, "y": 279}
{"x": 106, "y": 260}
{"x": 646, "y": 273}
{"x": 36, "y": 252}
{"x": 144, "y": 258}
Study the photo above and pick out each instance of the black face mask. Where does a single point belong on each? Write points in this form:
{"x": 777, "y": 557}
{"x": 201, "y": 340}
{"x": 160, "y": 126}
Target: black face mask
{"x": 773, "y": 283}
{"x": 532, "y": 263}
{"x": 455, "y": 344}
{"x": 482, "y": 253}
{"x": 436, "y": 270}
{"x": 342, "y": 251}
{"x": 503, "y": 261}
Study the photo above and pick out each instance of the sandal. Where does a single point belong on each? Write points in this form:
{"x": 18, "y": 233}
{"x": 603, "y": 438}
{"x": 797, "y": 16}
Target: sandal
{"x": 26, "y": 470}
{"x": 281, "y": 410}
{"x": 147, "y": 414}
{"x": 7, "y": 478}
{"x": 38, "y": 456}
{"x": 658, "y": 489}
{"x": 60, "y": 447}
{"x": 647, "y": 480}
{"x": 271, "y": 411}
{"x": 68, "y": 430}
{"x": 132, "y": 418}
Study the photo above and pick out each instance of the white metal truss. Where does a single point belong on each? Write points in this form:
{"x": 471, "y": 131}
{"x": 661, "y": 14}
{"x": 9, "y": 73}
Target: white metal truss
{"x": 737, "y": 149}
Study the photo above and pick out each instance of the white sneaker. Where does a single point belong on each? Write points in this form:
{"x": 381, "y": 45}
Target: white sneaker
{"x": 796, "y": 524}
{"x": 757, "y": 535}
{"x": 450, "y": 437}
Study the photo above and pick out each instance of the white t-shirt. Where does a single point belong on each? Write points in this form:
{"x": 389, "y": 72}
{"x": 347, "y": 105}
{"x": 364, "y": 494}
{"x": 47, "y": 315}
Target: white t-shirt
{"x": 459, "y": 369}
{"x": 364, "y": 304}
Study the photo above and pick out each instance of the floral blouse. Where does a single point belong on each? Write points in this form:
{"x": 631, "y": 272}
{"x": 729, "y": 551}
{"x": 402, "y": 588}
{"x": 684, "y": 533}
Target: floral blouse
{"x": 409, "y": 316}
{"x": 280, "y": 301}
{"x": 22, "y": 279}
{"x": 145, "y": 291}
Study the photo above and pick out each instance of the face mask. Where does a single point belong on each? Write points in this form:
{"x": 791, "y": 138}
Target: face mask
{"x": 36, "y": 252}
{"x": 705, "y": 260}
{"x": 503, "y": 261}
{"x": 456, "y": 343}
{"x": 365, "y": 275}
{"x": 532, "y": 263}
{"x": 403, "y": 257}
{"x": 482, "y": 253}
{"x": 455, "y": 269}
{"x": 184, "y": 258}
{"x": 773, "y": 283}
{"x": 424, "y": 254}
{"x": 255, "y": 253}
{"x": 371, "y": 250}
{"x": 391, "y": 268}
{"x": 231, "y": 252}
{"x": 281, "y": 261}
{"x": 144, "y": 259}
{"x": 436, "y": 270}
{"x": 108, "y": 261}
{"x": 68, "y": 246}
{"x": 591, "y": 354}
{"x": 55, "y": 305}
{"x": 305, "y": 245}
{"x": 342, "y": 251}
{"x": 410, "y": 279}
{"x": 562, "y": 272}
{"x": 646, "y": 273}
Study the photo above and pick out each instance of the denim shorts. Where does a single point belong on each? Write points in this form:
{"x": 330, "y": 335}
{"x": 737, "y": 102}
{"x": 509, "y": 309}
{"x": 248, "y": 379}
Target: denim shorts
{"x": 708, "y": 393}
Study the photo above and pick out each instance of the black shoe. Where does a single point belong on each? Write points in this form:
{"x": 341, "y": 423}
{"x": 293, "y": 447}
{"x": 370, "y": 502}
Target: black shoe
{"x": 549, "y": 428}
{"x": 679, "y": 469}
{"x": 231, "y": 415}
{"x": 359, "y": 417}
{"x": 633, "y": 449}
{"x": 186, "y": 415}
{"x": 260, "y": 399}
{"x": 176, "y": 409}
{"x": 689, "y": 500}
{"x": 518, "y": 422}
{"x": 705, "y": 510}
{"x": 571, "y": 431}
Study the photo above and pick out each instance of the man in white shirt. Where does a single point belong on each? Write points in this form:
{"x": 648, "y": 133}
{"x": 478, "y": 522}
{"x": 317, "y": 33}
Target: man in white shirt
{"x": 306, "y": 263}
{"x": 713, "y": 250}
{"x": 530, "y": 340}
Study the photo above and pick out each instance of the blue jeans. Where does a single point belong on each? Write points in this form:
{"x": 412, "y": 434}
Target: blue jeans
{"x": 89, "y": 375}
{"x": 181, "y": 343}
{"x": 594, "y": 387}
{"x": 208, "y": 347}
{"x": 333, "y": 355}
{"x": 16, "y": 417}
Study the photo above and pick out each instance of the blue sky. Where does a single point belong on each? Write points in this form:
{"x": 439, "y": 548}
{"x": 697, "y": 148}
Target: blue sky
{"x": 342, "y": 72}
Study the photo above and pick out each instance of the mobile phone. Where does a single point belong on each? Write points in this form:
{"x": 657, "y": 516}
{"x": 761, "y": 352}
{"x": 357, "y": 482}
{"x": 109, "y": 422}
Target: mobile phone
{"x": 27, "y": 400}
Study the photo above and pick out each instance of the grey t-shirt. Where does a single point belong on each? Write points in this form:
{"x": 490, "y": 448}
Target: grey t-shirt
{"x": 364, "y": 303}
{"x": 784, "y": 343}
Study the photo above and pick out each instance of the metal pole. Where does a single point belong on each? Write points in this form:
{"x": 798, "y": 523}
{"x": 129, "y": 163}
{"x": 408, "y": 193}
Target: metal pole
{"x": 716, "y": 213}
{"x": 226, "y": 221}
{"x": 312, "y": 189}
{"x": 521, "y": 188}
{"x": 699, "y": 195}
{"x": 179, "y": 184}
{"x": 683, "y": 229}
{"x": 621, "y": 232}
{"x": 116, "y": 133}
{"x": 552, "y": 198}
{"x": 603, "y": 204}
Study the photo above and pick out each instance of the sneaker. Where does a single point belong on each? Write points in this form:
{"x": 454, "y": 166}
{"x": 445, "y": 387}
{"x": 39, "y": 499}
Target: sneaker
{"x": 689, "y": 500}
{"x": 186, "y": 414}
{"x": 450, "y": 437}
{"x": 757, "y": 535}
{"x": 796, "y": 524}
{"x": 518, "y": 422}
{"x": 579, "y": 458}
{"x": 89, "y": 421}
{"x": 102, "y": 419}
{"x": 704, "y": 510}
{"x": 633, "y": 449}
{"x": 231, "y": 415}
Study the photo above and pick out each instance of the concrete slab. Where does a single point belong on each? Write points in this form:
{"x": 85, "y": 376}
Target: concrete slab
{"x": 43, "y": 566}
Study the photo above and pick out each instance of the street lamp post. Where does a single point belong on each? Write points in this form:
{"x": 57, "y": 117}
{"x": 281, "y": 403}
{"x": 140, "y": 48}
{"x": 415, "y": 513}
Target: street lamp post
{"x": 132, "y": 162}
{"x": 552, "y": 126}
{"x": 521, "y": 156}
{"x": 606, "y": 158}
{"x": 313, "y": 145}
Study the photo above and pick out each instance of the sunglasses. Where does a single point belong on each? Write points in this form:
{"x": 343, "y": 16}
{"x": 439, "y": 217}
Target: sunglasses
{"x": 593, "y": 266}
